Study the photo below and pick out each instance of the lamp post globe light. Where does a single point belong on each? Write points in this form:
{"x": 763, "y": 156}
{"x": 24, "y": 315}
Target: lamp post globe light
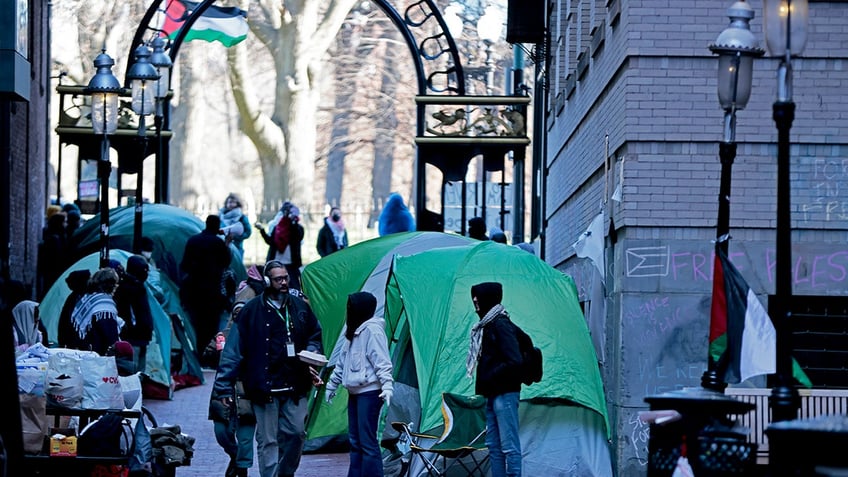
{"x": 736, "y": 48}
{"x": 785, "y": 23}
{"x": 144, "y": 81}
{"x": 104, "y": 88}
{"x": 163, "y": 64}
{"x": 490, "y": 27}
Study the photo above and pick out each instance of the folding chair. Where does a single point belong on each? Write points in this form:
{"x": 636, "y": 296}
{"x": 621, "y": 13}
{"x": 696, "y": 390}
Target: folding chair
{"x": 458, "y": 447}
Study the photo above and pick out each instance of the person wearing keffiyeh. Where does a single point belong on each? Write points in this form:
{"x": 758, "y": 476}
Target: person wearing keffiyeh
{"x": 95, "y": 317}
{"x": 495, "y": 355}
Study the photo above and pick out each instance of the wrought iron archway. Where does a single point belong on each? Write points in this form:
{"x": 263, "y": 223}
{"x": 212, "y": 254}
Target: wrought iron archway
{"x": 465, "y": 127}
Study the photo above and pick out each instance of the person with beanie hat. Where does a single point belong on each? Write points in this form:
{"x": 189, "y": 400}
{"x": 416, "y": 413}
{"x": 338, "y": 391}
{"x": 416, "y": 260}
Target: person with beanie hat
{"x": 364, "y": 368}
{"x": 74, "y": 218}
{"x": 495, "y": 354}
{"x": 284, "y": 238}
{"x": 477, "y": 228}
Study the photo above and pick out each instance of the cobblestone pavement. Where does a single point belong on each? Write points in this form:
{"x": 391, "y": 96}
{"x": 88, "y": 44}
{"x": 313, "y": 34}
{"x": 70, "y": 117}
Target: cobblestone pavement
{"x": 189, "y": 410}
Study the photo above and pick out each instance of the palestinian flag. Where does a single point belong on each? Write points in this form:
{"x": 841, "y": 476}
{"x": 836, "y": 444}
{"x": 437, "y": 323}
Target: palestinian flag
{"x": 227, "y": 25}
{"x": 743, "y": 340}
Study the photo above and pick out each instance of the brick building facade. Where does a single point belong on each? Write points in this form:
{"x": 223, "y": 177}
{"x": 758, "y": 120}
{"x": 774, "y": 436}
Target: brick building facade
{"x": 633, "y": 106}
{"x": 24, "y": 149}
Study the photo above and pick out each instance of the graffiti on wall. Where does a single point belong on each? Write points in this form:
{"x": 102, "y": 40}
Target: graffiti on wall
{"x": 828, "y": 191}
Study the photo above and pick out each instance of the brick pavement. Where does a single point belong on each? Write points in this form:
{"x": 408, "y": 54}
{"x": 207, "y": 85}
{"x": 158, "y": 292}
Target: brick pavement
{"x": 189, "y": 410}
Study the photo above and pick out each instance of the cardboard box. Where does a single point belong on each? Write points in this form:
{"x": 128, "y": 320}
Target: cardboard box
{"x": 63, "y": 446}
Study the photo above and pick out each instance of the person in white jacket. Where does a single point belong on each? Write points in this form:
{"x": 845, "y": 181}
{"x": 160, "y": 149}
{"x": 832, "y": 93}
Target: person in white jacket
{"x": 364, "y": 368}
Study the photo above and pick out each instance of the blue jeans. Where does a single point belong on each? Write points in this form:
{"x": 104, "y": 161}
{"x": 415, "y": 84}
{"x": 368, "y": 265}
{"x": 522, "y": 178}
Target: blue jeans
{"x": 502, "y": 435}
{"x": 363, "y": 414}
{"x": 237, "y": 440}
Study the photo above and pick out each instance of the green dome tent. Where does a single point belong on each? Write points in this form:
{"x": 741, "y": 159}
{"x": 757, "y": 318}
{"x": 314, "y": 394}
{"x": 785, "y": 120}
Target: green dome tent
{"x": 169, "y": 227}
{"x": 429, "y": 315}
{"x": 328, "y": 281}
{"x": 159, "y": 350}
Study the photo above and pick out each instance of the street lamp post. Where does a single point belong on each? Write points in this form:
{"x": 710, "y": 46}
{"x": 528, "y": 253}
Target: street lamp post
{"x": 163, "y": 64}
{"x": 104, "y": 89}
{"x": 144, "y": 82}
{"x": 736, "y": 48}
{"x": 785, "y": 26}
{"x": 490, "y": 27}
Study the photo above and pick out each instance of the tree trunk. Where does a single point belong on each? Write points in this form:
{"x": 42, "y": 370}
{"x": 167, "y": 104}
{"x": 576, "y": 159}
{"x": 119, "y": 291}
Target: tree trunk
{"x": 186, "y": 159}
{"x": 384, "y": 143}
{"x": 340, "y": 134}
{"x": 296, "y": 35}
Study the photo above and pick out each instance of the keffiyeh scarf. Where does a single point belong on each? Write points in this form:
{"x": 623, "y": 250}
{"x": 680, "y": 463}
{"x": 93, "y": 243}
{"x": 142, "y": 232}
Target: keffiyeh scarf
{"x": 90, "y": 308}
{"x": 477, "y": 338}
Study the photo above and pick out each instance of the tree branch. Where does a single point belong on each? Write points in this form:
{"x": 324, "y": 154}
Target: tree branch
{"x": 329, "y": 27}
{"x": 258, "y": 126}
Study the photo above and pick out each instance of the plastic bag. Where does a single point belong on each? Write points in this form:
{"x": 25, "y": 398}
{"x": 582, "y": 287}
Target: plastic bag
{"x": 63, "y": 386}
{"x": 142, "y": 456}
{"x": 101, "y": 386}
{"x": 131, "y": 389}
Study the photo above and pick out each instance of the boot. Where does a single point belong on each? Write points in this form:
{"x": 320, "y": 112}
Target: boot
{"x": 241, "y": 472}
{"x": 232, "y": 471}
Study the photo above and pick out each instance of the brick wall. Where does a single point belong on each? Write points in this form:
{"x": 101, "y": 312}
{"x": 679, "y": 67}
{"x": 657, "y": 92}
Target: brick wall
{"x": 28, "y": 157}
{"x": 646, "y": 100}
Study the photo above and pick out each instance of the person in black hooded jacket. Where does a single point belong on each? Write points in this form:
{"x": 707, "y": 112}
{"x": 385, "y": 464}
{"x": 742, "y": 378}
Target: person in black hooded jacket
{"x": 77, "y": 281}
{"x": 134, "y": 308}
{"x": 495, "y": 353}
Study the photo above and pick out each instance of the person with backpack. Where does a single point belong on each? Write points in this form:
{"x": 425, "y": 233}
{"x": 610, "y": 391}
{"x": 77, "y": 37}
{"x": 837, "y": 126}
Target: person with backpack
{"x": 495, "y": 353}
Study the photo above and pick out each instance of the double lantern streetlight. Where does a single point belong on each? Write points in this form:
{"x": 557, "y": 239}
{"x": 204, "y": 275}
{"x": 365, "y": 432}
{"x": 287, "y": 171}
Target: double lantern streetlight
{"x": 149, "y": 78}
{"x": 785, "y": 23}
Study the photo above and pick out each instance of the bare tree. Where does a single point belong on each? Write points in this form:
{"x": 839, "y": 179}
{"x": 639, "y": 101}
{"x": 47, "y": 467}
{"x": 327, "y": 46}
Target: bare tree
{"x": 296, "y": 33}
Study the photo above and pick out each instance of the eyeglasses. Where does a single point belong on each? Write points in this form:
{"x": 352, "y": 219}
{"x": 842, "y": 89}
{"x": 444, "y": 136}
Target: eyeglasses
{"x": 280, "y": 279}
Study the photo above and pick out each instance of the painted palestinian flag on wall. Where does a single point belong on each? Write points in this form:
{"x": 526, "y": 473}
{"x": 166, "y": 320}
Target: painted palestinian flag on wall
{"x": 743, "y": 340}
{"x": 227, "y": 25}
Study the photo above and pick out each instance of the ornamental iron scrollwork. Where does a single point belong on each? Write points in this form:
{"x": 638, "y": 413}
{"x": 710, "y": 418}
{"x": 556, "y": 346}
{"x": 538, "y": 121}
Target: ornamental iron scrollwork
{"x": 475, "y": 116}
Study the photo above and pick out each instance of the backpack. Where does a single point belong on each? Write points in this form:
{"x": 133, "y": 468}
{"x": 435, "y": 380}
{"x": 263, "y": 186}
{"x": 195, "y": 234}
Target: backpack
{"x": 109, "y": 436}
{"x": 531, "y": 357}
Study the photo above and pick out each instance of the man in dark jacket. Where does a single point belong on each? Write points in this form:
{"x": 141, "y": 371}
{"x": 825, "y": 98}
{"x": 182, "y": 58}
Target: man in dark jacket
{"x": 205, "y": 258}
{"x": 495, "y": 352}
{"x": 261, "y": 350}
{"x": 134, "y": 308}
